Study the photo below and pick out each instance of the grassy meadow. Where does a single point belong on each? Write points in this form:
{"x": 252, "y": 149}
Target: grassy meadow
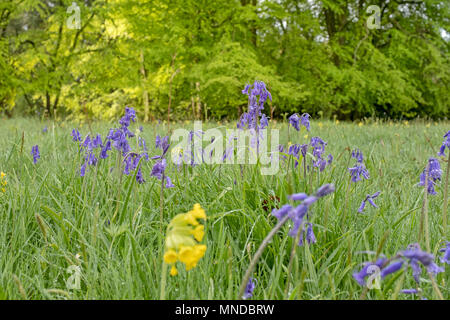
{"x": 109, "y": 226}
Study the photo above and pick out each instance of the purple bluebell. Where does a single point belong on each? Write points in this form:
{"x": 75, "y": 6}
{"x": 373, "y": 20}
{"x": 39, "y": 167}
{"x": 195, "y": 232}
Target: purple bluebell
{"x": 434, "y": 174}
{"x": 248, "y": 293}
{"x": 83, "y": 169}
{"x": 296, "y": 121}
{"x": 158, "y": 169}
{"x": 391, "y": 268}
{"x": 162, "y": 144}
{"x": 91, "y": 159}
{"x": 35, "y": 153}
{"x": 445, "y": 144}
{"x": 143, "y": 144}
{"x": 264, "y": 122}
{"x": 76, "y": 136}
{"x": 310, "y": 237}
{"x": 120, "y": 141}
{"x": 139, "y": 177}
{"x": 45, "y": 129}
{"x": 298, "y": 196}
{"x": 330, "y": 159}
{"x": 359, "y": 171}
{"x": 413, "y": 255}
{"x": 283, "y": 211}
{"x": 254, "y": 118}
{"x": 97, "y": 142}
{"x": 318, "y": 149}
{"x": 169, "y": 183}
{"x": 410, "y": 291}
{"x": 105, "y": 149}
{"x": 297, "y": 214}
{"x": 130, "y": 115}
{"x": 369, "y": 198}
{"x": 360, "y": 276}
{"x": 358, "y": 155}
{"x": 325, "y": 190}
{"x": 446, "y": 250}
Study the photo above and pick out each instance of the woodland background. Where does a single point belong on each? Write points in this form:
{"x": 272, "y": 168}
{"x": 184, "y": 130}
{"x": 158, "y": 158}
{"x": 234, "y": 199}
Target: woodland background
{"x": 193, "y": 58}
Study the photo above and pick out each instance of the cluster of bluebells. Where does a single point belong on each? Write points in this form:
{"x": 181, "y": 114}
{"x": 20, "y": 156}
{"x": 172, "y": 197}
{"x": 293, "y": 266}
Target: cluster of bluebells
{"x": 88, "y": 146}
{"x": 359, "y": 171}
{"x": 294, "y": 150}
{"x": 412, "y": 257}
{"x": 318, "y": 149}
{"x": 255, "y": 119}
{"x": 430, "y": 175}
{"x": 160, "y": 165}
{"x": 318, "y": 146}
{"x": 297, "y": 214}
{"x": 297, "y": 121}
{"x": 445, "y": 144}
{"x": 117, "y": 138}
{"x": 35, "y": 153}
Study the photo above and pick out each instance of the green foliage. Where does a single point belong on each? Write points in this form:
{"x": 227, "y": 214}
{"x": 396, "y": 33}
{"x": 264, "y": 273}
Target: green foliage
{"x": 316, "y": 57}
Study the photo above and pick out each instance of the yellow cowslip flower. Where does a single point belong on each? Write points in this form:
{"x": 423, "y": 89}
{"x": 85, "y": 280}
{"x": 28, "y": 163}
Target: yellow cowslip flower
{"x": 182, "y": 239}
{"x": 320, "y": 124}
{"x": 305, "y": 136}
{"x": 173, "y": 271}
{"x": 3, "y": 181}
{"x": 198, "y": 212}
{"x": 198, "y": 232}
{"x": 170, "y": 256}
{"x": 360, "y": 124}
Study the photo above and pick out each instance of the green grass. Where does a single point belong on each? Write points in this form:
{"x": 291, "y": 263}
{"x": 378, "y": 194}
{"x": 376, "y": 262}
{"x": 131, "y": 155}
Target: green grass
{"x": 51, "y": 218}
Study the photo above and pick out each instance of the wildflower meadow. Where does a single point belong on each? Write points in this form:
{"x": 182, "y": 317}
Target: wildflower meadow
{"x": 224, "y": 158}
{"x": 118, "y": 210}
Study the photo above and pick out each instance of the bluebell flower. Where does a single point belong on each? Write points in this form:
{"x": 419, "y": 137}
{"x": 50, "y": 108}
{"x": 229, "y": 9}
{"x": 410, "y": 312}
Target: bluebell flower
{"x": 97, "y": 142}
{"x": 446, "y": 250}
{"x": 83, "y": 169}
{"x": 169, "y": 183}
{"x": 296, "y": 121}
{"x": 391, "y": 268}
{"x": 257, "y": 96}
{"x": 297, "y": 214}
{"x": 162, "y": 144}
{"x": 76, "y": 136}
{"x": 35, "y": 153}
{"x": 358, "y": 155}
{"x": 410, "y": 291}
{"x": 304, "y": 120}
{"x": 359, "y": 171}
{"x": 360, "y": 276}
{"x": 413, "y": 255}
{"x": 248, "y": 293}
{"x": 445, "y": 144}
{"x": 434, "y": 174}
{"x": 143, "y": 144}
{"x": 45, "y": 129}
{"x": 370, "y": 199}
{"x": 105, "y": 149}
{"x": 158, "y": 169}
